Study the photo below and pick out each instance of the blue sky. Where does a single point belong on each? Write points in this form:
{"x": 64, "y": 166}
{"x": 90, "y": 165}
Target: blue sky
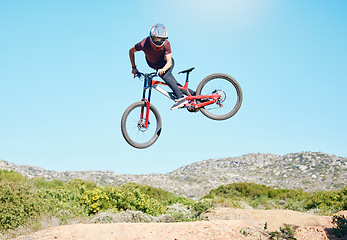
{"x": 65, "y": 80}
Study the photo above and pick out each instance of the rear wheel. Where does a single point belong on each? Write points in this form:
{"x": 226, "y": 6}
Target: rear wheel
{"x": 133, "y": 125}
{"x": 230, "y": 93}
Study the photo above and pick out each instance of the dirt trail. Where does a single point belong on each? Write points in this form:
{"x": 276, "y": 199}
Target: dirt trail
{"x": 274, "y": 218}
{"x": 224, "y": 223}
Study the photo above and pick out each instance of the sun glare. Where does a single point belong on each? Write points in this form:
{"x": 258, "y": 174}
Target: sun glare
{"x": 222, "y": 12}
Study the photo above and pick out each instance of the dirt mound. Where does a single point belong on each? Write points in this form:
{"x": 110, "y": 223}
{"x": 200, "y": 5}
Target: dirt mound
{"x": 274, "y": 218}
{"x": 224, "y": 223}
{"x": 150, "y": 231}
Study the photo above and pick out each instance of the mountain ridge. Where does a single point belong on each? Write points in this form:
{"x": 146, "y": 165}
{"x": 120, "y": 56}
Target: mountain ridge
{"x": 311, "y": 171}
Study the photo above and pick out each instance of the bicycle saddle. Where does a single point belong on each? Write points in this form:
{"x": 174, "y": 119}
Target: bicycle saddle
{"x": 187, "y": 71}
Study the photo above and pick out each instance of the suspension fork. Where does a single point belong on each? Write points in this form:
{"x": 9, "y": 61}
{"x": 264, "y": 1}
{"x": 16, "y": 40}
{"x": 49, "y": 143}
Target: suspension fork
{"x": 147, "y": 85}
{"x": 145, "y": 112}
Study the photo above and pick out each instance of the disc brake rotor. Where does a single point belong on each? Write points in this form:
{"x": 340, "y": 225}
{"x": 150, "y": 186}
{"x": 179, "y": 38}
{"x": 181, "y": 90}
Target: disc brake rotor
{"x": 222, "y": 96}
{"x": 141, "y": 125}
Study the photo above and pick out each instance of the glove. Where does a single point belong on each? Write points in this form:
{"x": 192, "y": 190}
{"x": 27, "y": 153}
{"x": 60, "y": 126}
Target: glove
{"x": 134, "y": 71}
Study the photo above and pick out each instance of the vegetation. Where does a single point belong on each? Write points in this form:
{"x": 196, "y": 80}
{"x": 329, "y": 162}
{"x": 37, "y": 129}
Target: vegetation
{"x": 263, "y": 197}
{"x": 18, "y": 205}
{"x": 284, "y": 233}
{"x": 37, "y": 203}
{"x": 24, "y": 203}
{"x": 340, "y": 226}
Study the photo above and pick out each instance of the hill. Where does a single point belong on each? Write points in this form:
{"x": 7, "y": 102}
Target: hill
{"x": 310, "y": 171}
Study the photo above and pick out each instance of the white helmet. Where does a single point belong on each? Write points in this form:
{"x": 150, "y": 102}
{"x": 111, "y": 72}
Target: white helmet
{"x": 158, "y": 34}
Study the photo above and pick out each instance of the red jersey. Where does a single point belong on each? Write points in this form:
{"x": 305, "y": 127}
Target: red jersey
{"x": 154, "y": 58}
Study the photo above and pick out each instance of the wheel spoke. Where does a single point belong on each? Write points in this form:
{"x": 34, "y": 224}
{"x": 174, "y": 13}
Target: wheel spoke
{"x": 230, "y": 96}
{"x": 133, "y": 129}
{"x": 138, "y": 133}
{"x": 226, "y": 88}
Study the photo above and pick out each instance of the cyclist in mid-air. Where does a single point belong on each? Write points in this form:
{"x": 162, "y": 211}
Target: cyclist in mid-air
{"x": 157, "y": 50}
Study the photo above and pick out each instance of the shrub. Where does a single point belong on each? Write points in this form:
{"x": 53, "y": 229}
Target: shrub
{"x": 284, "y": 233}
{"x": 78, "y": 183}
{"x": 134, "y": 216}
{"x": 326, "y": 201}
{"x": 95, "y": 199}
{"x": 258, "y": 196}
{"x": 179, "y": 213}
{"x": 243, "y": 189}
{"x": 126, "y": 216}
{"x": 18, "y": 205}
{"x": 178, "y": 199}
{"x": 340, "y": 225}
{"x": 134, "y": 199}
{"x": 201, "y": 206}
{"x": 104, "y": 198}
{"x": 156, "y": 193}
{"x": 344, "y": 196}
{"x": 64, "y": 203}
{"x": 40, "y": 183}
{"x": 11, "y": 176}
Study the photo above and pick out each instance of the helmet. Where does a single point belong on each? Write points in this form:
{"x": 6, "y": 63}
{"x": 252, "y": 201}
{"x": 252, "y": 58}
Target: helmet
{"x": 158, "y": 34}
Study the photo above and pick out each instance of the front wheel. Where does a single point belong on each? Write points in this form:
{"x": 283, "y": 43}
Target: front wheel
{"x": 230, "y": 94}
{"x": 133, "y": 125}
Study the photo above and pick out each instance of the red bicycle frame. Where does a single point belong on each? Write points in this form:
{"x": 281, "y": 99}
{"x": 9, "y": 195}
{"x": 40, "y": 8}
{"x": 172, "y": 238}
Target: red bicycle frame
{"x": 149, "y": 83}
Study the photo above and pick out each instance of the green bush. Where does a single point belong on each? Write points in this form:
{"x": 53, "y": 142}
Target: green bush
{"x": 11, "y": 176}
{"x": 40, "y": 183}
{"x": 284, "y": 233}
{"x": 178, "y": 199}
{"x": 200, "y": 207}
{"x": 344, "y": 201}
{"x": 18, "y": 205}
{"x": 242, "y": 189}
{"x": 156, "y": 193}
{"x": 340, "y": 225}
{"x": 134, "y": 199}
{"x": 64, "y": 202}
{"x": 258, "y": 196}
{"x": 326, "y": 201}
{"x": 95, "y": 200}
{"x": 84, "y": 199}
{"x": 78, "y": 183}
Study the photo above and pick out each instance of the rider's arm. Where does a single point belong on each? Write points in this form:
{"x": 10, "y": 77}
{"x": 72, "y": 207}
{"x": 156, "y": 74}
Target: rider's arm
{"x": 167, "y": 65}
{"x": 132, "y": 59}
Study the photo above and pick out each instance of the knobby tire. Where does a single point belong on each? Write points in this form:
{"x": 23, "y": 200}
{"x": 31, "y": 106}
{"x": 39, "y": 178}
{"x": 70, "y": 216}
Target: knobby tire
{"x": 129, "y": 125}
{"x": 233, "y": 101}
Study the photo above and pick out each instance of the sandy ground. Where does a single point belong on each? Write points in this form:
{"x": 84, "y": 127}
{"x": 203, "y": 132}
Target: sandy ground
{"x": 224, "y": 223}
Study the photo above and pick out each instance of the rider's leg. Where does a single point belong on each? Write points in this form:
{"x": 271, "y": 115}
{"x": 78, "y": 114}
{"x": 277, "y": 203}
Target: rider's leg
{"x": 192, "y": 92}
{"x": 180, "y": 100}
{"x": 171, "y": 82}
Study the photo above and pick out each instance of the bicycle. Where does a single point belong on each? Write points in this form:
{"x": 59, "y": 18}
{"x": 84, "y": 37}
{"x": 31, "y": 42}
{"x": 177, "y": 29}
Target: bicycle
{"x": 218, "y": 96}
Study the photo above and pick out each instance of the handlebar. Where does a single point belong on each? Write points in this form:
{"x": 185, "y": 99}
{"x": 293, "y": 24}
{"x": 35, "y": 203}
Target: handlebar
{"x": 146, "y": 75}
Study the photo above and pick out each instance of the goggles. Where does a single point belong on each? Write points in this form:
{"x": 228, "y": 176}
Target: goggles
{"x": 158, "y": 41}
